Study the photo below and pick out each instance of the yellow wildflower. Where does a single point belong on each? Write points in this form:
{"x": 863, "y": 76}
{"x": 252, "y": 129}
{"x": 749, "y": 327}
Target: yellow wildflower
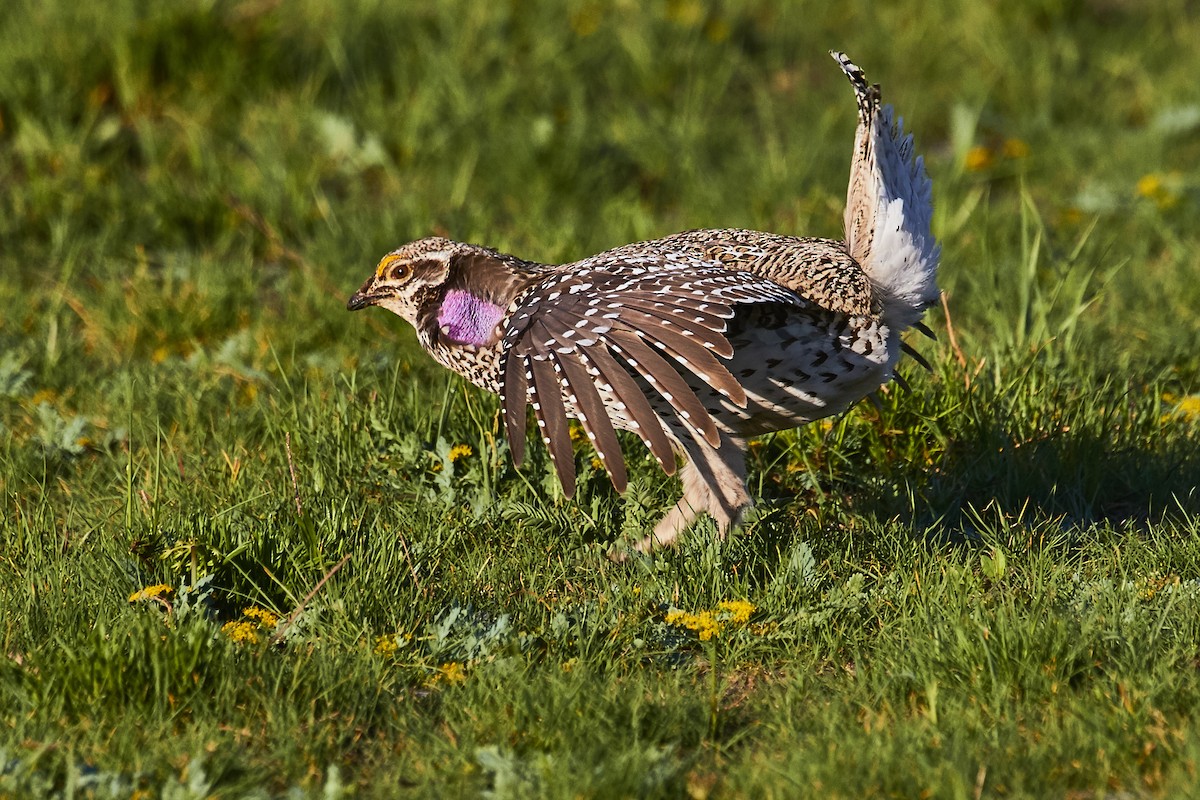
{"x": 979, "y": 158}
{"x": 453, "y": 673}
{"x": 241, "y": 631}
{"x": 704, "y": 624}
{"x": 389, "y": 643}
{"x": 1159, "y": 188}
{"x": 597, "y": 463}
{"x": 266, "y": 619}
{"x": 1187, "y": 408}
{"x": 1015, "y": 148}
{"x": 1149, "y": 185}
{"x": 460, "y": 451}
{"x": 150, "y": 592}
{"x": 577, "y": 433}
{"x": 739, "y": 610}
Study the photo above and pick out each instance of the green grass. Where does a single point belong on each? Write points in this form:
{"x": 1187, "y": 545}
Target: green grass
{"x": 989, "y": 587}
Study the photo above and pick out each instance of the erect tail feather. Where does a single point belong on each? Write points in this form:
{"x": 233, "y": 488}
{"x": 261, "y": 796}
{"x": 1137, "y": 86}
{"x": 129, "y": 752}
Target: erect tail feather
{"x": 889, "y": 207}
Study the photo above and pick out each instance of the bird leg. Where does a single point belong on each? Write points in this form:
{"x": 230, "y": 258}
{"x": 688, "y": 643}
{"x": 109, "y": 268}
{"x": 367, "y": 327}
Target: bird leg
{"x": 714, "y": 482}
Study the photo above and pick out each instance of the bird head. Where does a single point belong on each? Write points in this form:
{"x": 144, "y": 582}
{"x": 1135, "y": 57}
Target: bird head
{"x": 407, "y": 279}
{"x": 450, "y": 292}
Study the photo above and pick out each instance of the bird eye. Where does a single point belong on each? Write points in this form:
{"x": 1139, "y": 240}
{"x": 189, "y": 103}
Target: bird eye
{"x": 393, "y": 268}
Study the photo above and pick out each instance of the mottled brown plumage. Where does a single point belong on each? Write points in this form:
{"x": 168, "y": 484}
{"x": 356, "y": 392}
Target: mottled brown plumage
{"x": 696, "y": 341}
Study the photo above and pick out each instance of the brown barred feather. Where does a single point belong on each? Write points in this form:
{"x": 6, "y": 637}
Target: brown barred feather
{"x": 514, "y": 402}
{"x": 667, "y": 382}
{"x": 648, "y": 424}
{"x": 594, "y": 416}
{"x": 552, "y": 419}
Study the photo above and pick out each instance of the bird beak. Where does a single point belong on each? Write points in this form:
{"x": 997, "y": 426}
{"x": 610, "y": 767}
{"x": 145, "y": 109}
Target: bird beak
{"x": 363, "y": 297}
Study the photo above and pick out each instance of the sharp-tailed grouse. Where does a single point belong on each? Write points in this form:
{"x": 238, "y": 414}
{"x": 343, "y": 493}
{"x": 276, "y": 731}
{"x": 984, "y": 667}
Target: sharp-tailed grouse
{"x": 695, "y": 342}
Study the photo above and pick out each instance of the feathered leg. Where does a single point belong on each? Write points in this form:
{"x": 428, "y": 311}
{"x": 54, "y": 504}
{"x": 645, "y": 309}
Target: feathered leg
{"x": 714, "y": 482}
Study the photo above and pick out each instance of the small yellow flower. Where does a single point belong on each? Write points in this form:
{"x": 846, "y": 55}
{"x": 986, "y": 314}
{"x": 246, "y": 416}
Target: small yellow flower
{"x": 453, "y": 673}
{"x": 577, "y": 433}
{"x": 979, "y": 158}
{"x": 1015, "y": 148}
{"x": 1159, "y": 188}
{"x": 597, "y": 463}
{"x": 1149, "y": 185}
{"x": 1187, "y": 409}
{"x": 150, "y": 592}
{"x": 704, "y": 624}
{"x": 241, "y": 631}
{"x": 266, "y": 619}
{"x": 386, "y": 645}
{"x": 739, "y": 610}
{"x": 569, "y": 664}
{"x": 460, "y": 451}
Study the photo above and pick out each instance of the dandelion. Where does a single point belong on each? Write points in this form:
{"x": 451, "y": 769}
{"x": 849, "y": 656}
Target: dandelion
{"x": 150, "y": 592}
{"x": 979, "y": 159}
{"x": 460, "y": 451}
{"x": 241, "y": 631}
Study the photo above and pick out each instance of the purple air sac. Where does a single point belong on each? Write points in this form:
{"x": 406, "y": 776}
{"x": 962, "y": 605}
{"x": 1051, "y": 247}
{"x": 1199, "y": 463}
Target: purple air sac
{"x": 466, "y": 319}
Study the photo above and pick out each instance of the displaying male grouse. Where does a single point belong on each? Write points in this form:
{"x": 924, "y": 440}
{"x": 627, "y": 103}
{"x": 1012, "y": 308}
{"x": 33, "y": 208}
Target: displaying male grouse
{"x": 695, "y": 342}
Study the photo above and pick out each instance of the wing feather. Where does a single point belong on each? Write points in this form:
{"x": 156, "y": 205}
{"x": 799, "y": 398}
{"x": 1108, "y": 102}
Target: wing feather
{"x": 552, "y": 419}
{"x": 595, "y": 418}
{"x": 668, "y": 382}
{"x": 649, "y": 425}
{"x": 515, "y": 373}
{"x": 619, "y": 330}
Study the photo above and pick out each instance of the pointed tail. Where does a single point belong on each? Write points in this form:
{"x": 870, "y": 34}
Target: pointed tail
{"x": 889, "y": 206}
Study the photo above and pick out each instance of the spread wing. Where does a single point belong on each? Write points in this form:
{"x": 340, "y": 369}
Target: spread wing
{"x": 591, "y": 342}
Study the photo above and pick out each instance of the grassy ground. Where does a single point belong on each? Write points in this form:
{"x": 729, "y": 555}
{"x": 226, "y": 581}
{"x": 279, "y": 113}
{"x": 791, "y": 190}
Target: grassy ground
{"x": 988, "y": 588}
